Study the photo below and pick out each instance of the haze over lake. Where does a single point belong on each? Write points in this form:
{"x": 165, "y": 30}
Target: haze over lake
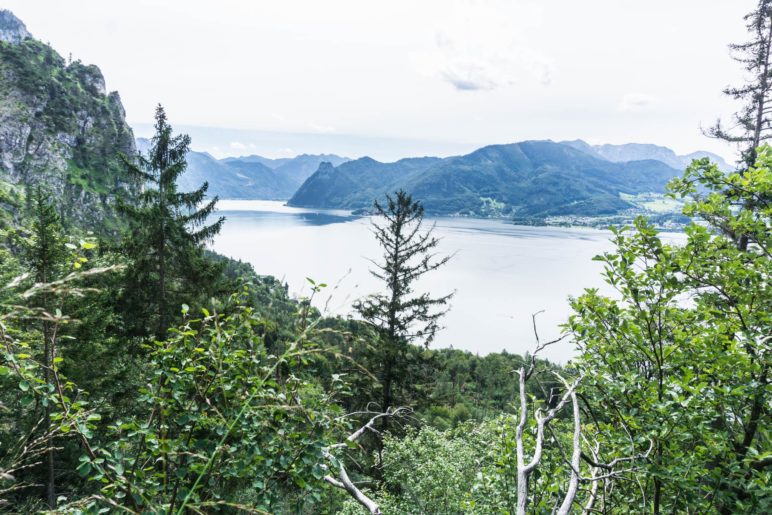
{"x": 502, "y": 273}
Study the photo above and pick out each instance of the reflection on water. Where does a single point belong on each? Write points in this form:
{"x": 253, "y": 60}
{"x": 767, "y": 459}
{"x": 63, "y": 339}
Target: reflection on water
{"x": 501, "y": 273}
{"x": 263, "y": 218}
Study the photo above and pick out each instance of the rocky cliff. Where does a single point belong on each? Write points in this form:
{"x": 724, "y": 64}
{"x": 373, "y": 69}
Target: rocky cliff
{"x": 12, "y": 30}
{"x": 59, "y": 129}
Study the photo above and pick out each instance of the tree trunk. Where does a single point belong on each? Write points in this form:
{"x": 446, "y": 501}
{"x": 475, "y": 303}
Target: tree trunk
{"x": 47, "y": 361}
{"x": 657, "y": 496}
{"x": 388, "y": 381}
{"x": 50, "y": 473}
{"x": 742, "y": 244}
{"x": 162, "y": 322}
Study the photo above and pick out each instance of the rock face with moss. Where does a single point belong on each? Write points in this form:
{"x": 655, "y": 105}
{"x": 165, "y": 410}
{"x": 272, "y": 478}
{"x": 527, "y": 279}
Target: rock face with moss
{"x": 12, "y": 30}
{"x": 60, "y": 129}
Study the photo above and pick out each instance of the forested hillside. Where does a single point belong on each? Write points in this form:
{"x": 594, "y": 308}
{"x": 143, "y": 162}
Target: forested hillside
{"x": 59, "y": 128}
{"x": 141, "y": 373}
{"x": 528, "y": 180}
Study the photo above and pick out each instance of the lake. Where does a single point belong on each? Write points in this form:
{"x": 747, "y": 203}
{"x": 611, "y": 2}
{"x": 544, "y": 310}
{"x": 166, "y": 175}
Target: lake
{"x": 501, "y": 273}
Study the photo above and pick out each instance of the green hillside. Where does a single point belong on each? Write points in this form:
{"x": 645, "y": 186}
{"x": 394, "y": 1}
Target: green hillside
{"x": 59, "y": 128}
{"x": 532, "y": 179}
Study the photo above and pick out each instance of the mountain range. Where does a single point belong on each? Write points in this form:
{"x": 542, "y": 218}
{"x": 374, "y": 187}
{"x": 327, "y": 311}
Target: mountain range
{"x": 530, "y": 179}
{"x": 641, "y": 151}
{"x": 60, "y": 128}
{"x": 249, "y": 177}
{"x": 526, "y": 180}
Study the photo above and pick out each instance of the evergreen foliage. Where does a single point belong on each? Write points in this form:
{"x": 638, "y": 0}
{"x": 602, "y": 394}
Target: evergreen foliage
{"x": 401, "y": 316}
{"x": 45, "y": 257}
{"x": 753, "y": 124}
{"x": 167, "y": 232}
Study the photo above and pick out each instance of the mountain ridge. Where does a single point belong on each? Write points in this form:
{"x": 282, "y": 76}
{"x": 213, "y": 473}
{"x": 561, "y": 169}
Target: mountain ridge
{"x": 248, "y": 177}
{"x": 529, "y": 179}
{"x": 60, "y": 130}
{"x": 641, "y": 151}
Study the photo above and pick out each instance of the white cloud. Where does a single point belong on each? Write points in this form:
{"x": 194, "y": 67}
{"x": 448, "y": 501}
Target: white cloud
{"x": 482, "y": 45}
{"x": 635, "y": 102}
{"x": 237, "y": 145}
{"x": 437, "y": 76}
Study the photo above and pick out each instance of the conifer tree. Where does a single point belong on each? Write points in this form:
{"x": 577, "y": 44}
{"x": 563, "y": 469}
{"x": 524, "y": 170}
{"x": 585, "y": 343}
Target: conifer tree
{"x": 400, "y": 315}
{"x": 45, "y": 256}
{"x": 754, "y": 120}
{"x": 168, "y": 230}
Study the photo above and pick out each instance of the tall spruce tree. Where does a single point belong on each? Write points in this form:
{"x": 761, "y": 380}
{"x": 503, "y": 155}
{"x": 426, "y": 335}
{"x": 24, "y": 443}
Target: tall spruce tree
{"x": 168, "y": 230}
{"x": 45, "y": 256}
{"x": 754, "y": 120}
{"x": 400, "y": 315}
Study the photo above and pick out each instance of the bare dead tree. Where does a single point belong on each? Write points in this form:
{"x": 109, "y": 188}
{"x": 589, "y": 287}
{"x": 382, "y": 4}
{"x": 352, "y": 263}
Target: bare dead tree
{"x": 576, "y": 455}
{"x": 599, "y": 471}
{"x": 524, "y": 470}
{"x": 343, "y": 481}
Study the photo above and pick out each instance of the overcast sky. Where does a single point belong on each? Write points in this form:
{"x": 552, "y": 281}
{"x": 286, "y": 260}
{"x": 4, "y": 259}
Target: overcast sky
{"x": 407, "y": 77}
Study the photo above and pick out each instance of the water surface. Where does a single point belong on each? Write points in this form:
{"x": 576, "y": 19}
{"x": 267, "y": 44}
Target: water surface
{"x": 501, "y": 273}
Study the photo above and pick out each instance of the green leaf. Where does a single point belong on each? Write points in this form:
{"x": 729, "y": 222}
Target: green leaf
{"x": 84, "y": 469}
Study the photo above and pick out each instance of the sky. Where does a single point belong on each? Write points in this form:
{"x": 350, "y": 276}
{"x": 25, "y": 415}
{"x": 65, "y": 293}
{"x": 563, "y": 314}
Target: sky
{"x": 401, "y": 78}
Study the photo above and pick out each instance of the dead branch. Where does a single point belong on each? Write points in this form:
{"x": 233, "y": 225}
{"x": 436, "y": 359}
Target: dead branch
{"x": 343, "y": 481}
{"x": 573, "y": 484}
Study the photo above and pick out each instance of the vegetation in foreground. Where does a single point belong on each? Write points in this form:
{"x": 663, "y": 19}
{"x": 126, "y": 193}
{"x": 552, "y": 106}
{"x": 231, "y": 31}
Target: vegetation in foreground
{"x": 232, "y": 397}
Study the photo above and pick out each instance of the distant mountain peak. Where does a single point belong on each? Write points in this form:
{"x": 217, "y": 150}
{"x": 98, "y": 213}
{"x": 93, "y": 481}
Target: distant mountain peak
{"x": 527, "y": 180}
{"x": 12, "y": 29}
{"x": 325, "y": 166}
{"x": 249, "y": 177}
{"x": 642, "y": 151}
